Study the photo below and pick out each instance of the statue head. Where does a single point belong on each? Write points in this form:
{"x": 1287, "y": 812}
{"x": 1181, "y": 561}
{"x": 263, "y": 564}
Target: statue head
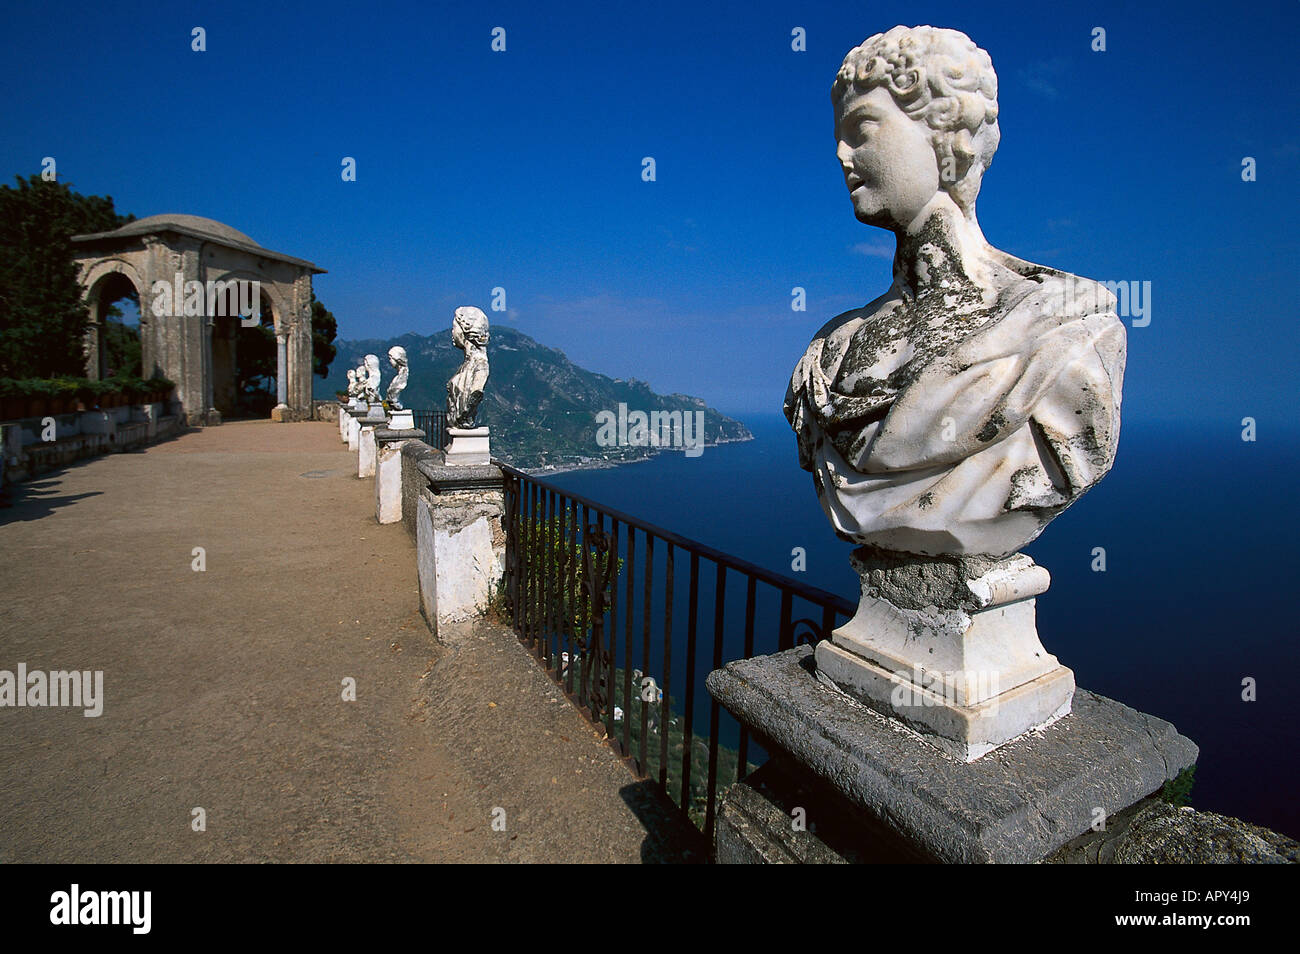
{"x": 352, "y": 377}
{"x": 916, "y": 111}
{"x": 469, "y": 325}
{"x": 397, "y": 356}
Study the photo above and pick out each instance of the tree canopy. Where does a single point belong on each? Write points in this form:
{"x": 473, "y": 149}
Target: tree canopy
{"x": 43, "y": 316}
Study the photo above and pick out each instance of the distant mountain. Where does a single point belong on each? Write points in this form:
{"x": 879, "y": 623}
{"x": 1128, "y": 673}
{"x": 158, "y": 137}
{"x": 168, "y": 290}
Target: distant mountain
{"x": 541, "y": 407}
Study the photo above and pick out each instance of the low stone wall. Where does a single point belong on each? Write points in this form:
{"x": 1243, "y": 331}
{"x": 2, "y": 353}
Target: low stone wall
{"x": 414, "y": 479}
{"x": 33, "y": 446}
{"x": 325, "y": 411}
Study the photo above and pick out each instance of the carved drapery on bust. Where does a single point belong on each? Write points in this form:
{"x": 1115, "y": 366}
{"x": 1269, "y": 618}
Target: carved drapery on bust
{"x": 397, "y": 358}
{"x": 362, "y": 377}
{"x": 469, "y": 331}
{"x": 966, "y": 407}
{"x": 371, "y": 372}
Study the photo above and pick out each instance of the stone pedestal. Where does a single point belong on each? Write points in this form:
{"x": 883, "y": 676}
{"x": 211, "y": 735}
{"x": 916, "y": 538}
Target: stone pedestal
{"x": 460, "y": 540}
{"x": 388, "y": 470}
{"x": 402, "y": 419}
{"x": 885, "y": 791}
{"x": 375, "y": 414}
{"x": 281, "y": 414}
{"x": 467, "y": 447}
{"x": 354, "y": 429}
{"x": 949, "y": 647}
{"x": 367, "y": 448}
{"x": 343, "y": 423}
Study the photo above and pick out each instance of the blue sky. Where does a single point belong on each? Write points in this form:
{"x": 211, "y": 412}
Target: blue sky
{"x": 522, "y": 169}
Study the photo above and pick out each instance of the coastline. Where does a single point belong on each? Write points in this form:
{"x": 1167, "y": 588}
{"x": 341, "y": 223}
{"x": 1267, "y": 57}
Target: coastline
{"x": 551, "y": 470}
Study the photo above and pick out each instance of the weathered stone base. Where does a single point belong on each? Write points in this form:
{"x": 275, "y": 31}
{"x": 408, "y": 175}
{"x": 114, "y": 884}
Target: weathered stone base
{"x": 949, "y": 646}
{"x": 1016, "y": 804}
{"x": 354, "y": 430}
{"x": 388, "y": 472}
{"x": 1154, "y": 832}
{"x": 468, "y": 447}
{"x": 963, "y": 732}
{"x": 367, "y": 447}
{"x": 459, "y": 540}
{"x": 780, "y": 814}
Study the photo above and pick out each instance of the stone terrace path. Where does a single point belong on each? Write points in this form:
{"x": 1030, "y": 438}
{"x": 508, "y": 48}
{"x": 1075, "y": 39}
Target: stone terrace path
{"x": 223, "y": 687}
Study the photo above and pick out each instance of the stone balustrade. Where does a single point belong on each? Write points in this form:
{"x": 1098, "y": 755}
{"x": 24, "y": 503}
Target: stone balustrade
{"x": 35, "y": 445}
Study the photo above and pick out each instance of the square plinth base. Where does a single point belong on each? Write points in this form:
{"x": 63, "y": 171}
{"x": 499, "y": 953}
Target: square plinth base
{"x": 468, "y": 447}
{"x": 1015, "y": 805}
{"x": 964, "y": 732}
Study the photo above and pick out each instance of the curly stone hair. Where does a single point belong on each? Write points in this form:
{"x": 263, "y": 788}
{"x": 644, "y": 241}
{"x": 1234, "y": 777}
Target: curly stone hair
{"x": 939, "y": 77}
{"x": 473, "y": 324}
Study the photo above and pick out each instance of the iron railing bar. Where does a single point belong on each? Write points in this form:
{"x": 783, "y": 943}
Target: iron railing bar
{"x": 810, "y": 593}
{"x": 742, "y": 760}
{"x": 665, "y": 705}
{"x": 627, "y": 643}
{"x": 719, "y": 610}
{"x": 688, "y": 726}
{"x": 610, "y": 682}
{"x": 645, "y": 647}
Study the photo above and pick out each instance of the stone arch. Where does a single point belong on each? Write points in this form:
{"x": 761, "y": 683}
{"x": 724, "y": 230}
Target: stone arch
{"x": 105, "y": 281}
{"x": 177, "y": 248}
{"x": 279, "y": 311}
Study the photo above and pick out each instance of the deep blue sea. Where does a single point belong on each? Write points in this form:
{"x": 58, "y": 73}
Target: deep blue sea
{"x": 1199, "y": 591}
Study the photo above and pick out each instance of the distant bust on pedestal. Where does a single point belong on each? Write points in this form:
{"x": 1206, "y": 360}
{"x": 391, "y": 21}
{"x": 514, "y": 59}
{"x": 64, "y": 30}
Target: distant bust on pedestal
{"x": 978, "y": 397}
{"x": 372, "y": 378}
{"x": 469, "y": 331}
{"x": 397, "y": 358}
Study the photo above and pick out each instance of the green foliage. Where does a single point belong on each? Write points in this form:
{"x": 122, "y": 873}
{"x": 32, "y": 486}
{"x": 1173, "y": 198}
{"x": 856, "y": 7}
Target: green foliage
{"x": 1178, "y": 790}
{"x": 552, "y": 554}
{"x": 674, "y": 724}
{"x": 255, "y": 358}
{"x": 122, "y": 348}
{"x": 43, "y": 316}
{"x": 131, "y": 386}
{"x": 324, "y": 328}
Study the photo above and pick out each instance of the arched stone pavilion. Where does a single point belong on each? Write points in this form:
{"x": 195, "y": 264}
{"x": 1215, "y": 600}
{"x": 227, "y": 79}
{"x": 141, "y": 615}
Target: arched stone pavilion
{"x": 195, "y": 346}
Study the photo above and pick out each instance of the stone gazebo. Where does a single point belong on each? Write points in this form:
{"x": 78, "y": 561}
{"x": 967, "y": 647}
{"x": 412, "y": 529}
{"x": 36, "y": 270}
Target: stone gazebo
{"x": 195, "y": 347}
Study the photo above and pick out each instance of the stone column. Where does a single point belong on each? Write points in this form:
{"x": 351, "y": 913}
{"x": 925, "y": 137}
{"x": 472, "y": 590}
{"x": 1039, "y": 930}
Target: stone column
{"x": 91, "y": 342}
{"x": 281, "y": 410}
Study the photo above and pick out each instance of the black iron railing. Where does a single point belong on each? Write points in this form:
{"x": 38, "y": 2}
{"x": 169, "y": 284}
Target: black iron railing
{"x": 434, "y": 425}
{"x": 596, "y": 595}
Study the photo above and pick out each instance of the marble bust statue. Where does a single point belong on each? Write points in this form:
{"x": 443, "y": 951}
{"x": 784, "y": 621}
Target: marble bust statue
{"x": 397, "y": 358}
{"x": 352, "y": 382}
{"x": 978, "y": 397}
{"x": 469, "y": 331}
{"x": 362, "y": 377}
{"x": 371, "y": 379}
{"x": 949, "y": 420}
